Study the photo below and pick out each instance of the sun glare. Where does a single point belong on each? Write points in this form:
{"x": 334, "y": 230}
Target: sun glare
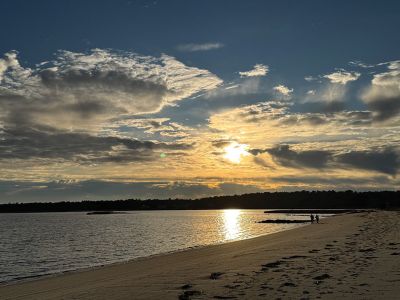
{"x": 235, "y": 151}
{"x": 232, "y": 223}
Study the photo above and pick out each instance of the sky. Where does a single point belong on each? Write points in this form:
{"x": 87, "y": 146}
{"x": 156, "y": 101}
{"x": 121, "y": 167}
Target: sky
{"x": 189, "y": 99}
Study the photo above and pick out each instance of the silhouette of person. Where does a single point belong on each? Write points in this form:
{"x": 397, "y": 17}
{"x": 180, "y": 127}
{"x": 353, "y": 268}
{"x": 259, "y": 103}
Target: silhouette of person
{"x": 312, "y": 218}
{"x": 317, "y": 218}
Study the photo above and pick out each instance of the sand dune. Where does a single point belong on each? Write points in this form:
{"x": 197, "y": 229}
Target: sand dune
{"x": 354, "y": 256}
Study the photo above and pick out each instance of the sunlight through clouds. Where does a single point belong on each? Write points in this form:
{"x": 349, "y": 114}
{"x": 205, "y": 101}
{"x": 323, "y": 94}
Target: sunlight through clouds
{"x": 235, "y": 151}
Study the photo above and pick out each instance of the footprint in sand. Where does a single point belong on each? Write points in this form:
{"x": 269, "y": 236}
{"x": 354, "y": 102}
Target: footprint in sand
{"x": 320, "y": 278}
{"x": 290, "y": 284}
{"x": 186, "y": 286}
{"x": 314, "y": 251}
{"x": 367, "y": 250}
{"x": 216, "y": 275}
{"x": 272, "y": 265}
{"x": 187, "y": 295}
{"x": 232, "y": 286}
{"x": 295, "y": 257}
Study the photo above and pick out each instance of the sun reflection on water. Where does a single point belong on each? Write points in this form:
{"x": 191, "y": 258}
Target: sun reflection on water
{"x": 232, "y": 219}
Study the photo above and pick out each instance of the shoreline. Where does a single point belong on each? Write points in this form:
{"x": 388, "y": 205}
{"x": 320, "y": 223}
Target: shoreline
{"x": 347, "y": 256}
{"x": 93, "y": 268}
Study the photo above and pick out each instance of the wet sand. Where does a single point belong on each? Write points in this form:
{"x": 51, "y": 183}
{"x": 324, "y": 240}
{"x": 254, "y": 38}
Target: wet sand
{"x": 351, "y": 256}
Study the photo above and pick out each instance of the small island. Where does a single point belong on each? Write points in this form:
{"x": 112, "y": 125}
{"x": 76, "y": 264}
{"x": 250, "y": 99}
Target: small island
{"x": 107, "y": 212}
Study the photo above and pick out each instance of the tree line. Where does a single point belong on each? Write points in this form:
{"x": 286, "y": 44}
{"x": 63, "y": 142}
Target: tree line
{"x": 267, "y": 200}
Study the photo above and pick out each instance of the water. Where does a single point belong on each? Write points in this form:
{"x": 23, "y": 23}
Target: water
{"x": 39, "y": 244}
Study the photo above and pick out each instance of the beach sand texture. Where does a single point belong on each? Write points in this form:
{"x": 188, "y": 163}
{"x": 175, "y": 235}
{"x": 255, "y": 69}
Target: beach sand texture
{"x": 351, "y": 256}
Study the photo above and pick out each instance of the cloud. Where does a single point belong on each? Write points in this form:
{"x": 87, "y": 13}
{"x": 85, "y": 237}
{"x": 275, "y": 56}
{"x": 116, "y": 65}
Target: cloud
{"x": 361, "y": 64}
{"x": 284, "y": 90}
{"x": 342, "y": 76}
{"x": 310, "y": 140}
{"x": 48, "y": 143}
{"x": 150, "y": 126}
{"x": 311, "y": 92}
{"x": 258, "y": 70}
{"x": 246, "y": 87}
{"x": 284, "y": 156}
{"x": 261, "y": 162}
{"x": 199, "y": 47}
{"x": 328, "y": 98}
{"x": 383, "y": 95}
{"x": 232, "y": 87}
{"x": 310, "y": 78}
{"x": 334, "y": 182}
{"x": 83, "y": 88}
{"x": 385, "y": 161}
{"x": 74, "y": 108}
{"x": 9, "y": 61}
{"x": 74, "y": 190}
{"x": 331, "y": 96}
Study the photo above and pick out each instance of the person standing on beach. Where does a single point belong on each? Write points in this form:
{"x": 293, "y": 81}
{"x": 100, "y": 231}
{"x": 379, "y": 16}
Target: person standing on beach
{"x": 312, "y": 218}
{"x": 317, "y": 218}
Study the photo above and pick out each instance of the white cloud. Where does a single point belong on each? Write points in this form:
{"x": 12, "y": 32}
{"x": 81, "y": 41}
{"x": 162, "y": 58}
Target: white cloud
{"x": 284, "y": 90}
{"x": 342, "y": 77}
{"x": 327, "y": 94}
{"x": 232, "y": 87}
{"x": 333, "y": 93}
{"x": 76, "y": 89}
{"x": 150, "y": 126}
{"x": 361, "y": 64}
{"x": 199, "y": 47}
{"x": 9, "y": 61}
{"x": 311, "y": 92}
{"x": 310, "y": 78}
{"x": 248, "y": 86}
{"x": 383, "y": 95}
{"x": 258, "y": 70}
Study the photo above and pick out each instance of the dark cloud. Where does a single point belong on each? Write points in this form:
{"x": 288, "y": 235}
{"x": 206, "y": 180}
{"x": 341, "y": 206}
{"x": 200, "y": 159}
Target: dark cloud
{"x": 331, "y": 180}
{"x": 92, "y": 90}
{"x": 221, "y": 143}
{"x": 385, "y": 108}
{"x": 384, "y": 161}
{"x": 46, "y": 142}
{"x": 308, "y": 119}
{"x": 284, "y": 156}
{"x": 256, "y": 151}
{"x": 370, "y": 183}
{"x": 358, "y": 118}
{"x": 350, "y": 118}
{"x": 330, "y": 106}
{"x": 383, "y": 95}
{"x": 261, "y": 162}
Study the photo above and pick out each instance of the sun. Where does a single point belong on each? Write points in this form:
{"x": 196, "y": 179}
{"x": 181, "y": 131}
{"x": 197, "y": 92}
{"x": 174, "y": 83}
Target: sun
{"x": 235, "y": 151}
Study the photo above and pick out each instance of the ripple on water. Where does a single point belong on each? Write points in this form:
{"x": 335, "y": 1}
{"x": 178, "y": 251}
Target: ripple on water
{"x": 40, "y": 244}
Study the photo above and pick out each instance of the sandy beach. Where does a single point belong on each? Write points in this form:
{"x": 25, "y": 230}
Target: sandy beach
{"x": 351, "y": 256}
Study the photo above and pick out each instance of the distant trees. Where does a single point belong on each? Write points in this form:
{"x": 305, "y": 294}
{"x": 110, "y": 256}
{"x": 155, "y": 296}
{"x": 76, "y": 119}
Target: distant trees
{"x": 300, "y": 199}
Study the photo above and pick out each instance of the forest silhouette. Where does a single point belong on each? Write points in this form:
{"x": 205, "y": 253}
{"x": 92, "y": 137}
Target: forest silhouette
{"x": 267, "y": 200}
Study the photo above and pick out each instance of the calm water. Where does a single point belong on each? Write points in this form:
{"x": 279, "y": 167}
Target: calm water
{"x": 46, "y": 243}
